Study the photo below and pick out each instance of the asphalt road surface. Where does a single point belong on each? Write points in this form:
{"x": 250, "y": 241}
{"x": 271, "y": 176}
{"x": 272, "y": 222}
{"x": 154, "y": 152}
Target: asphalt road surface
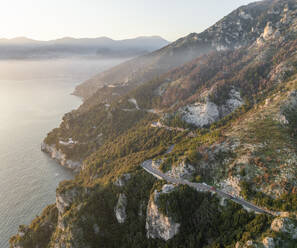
{"x": 148, "y": 166}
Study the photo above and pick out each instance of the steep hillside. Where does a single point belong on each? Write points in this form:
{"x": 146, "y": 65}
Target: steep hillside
{"x": 240, "y": 28}
{"x": 221, "y": 132}
{"x": 196, "y": 94}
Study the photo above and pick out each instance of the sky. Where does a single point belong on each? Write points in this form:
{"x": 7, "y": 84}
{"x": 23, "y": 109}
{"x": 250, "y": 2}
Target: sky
{"x": 117, "y": 19}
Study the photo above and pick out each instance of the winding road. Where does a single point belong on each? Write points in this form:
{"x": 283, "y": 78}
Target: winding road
{"x": 148, "y": 166}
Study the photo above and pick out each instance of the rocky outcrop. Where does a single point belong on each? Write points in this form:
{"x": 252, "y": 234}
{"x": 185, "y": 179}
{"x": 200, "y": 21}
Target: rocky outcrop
{"x": 284, "y": 225}
{"x": 268, "y": 242}
{"x": 288, "y": 109}
{"x": 231, "y": 185}
{"x": 65, "y": 199}
{"x": 121, "y": 181}
{"x": 182, "y": 171}
{"x": 205, "y": 113}
{"x": 232, "y": 103}
{"x": 201, "y": 114}
{"x": 59, "y": 156}
{"x": 279, "y": 73}
{"x": 159, "y": 226}
{"x": 120, "y": 209}
{"x": 269, "y": 33}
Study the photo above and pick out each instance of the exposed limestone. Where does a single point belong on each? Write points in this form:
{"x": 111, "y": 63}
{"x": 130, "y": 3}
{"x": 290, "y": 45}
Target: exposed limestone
{"x": 288, "y": 106}
{"x": 182, "y": 171}
{"x": 157, "y": 224}
{"x": 231, "y": 185}
{"x": 279, "y": 73}
{"x": 120, "y": 209}
{"x": 133, "y": 101}
{"x": 234, "y": 102}
{"x": 268, "y": 242}
{"x": 59, "y": 156}
{"x": 202, "y": 114}
{"x": 284, "y": 225}
{"x": 69, "y": 142}
{"x": 269, "y": 33}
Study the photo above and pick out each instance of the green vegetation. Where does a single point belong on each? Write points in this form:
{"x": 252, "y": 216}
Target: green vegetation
{"x": 291, "y": 116}
{"x": 114, "y": 139}
{"x": 287, "y": 202}
{"x": 39, "y": 232}
{"x": 201, "y": 220}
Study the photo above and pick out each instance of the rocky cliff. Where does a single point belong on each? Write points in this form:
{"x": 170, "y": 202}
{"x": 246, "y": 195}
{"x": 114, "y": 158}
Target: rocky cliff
{"x": 158, "y": 225}
{"x": 240, "y": 28}
{"x": 227, "y": 119}
{"x": 61, "y": 157}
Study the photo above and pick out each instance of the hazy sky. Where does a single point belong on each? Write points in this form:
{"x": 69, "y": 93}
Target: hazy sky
{"x": 118, "y": 19}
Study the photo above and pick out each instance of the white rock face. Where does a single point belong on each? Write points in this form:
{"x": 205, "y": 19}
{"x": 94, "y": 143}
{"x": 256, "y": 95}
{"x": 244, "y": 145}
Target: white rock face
{"x": 268, "y": 242}
{"x": 61, "y": 157}
{"x": 133, "y": 101}
{"x": 181, "y": 171}
{"x": 289, "y": 104}
{"x": 69, "y": 142}
{"x": 268, "y": 31}
{"x": 231, "y": 185}
{"x": 120, "y": 209}
{"x": 203, "y": 114}
{"x": 158, "y": 225}
{"x": 167, "y": 188}
{"x": 221, "y": 47}
{"x": 284, "y": 225}
{"x": 234, "y": 102}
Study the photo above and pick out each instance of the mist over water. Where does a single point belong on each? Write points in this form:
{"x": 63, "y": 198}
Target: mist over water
{"x": 34, "y": 95}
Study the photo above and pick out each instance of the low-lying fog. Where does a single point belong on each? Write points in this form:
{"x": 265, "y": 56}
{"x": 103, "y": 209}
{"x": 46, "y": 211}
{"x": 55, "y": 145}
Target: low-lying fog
{"x": 80, "y": 68}
{"x": 34, "y": 95}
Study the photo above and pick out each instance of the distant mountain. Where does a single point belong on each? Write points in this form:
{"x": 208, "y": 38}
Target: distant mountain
{"x": 24, "y": 48}
{"x": 240, "y": 28}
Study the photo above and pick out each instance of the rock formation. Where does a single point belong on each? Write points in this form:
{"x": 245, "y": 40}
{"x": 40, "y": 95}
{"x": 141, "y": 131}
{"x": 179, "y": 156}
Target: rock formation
{"x": 157, "y": 224}
{"x": 120, "y": 209}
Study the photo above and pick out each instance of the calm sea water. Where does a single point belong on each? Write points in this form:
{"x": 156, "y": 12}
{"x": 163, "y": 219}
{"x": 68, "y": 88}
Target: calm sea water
{"x": 29, "y": 109}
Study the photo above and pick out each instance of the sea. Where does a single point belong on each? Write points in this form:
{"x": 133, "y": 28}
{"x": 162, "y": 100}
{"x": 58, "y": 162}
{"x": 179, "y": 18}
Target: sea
{"x": 34, "y": 96}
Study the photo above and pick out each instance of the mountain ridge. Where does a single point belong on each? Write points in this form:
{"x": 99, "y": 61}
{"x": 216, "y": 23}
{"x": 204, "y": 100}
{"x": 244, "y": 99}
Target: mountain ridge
{"x": 25, "y": 48}
{"x": 230, "y": 32}
{"x": 226, "y": 118}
